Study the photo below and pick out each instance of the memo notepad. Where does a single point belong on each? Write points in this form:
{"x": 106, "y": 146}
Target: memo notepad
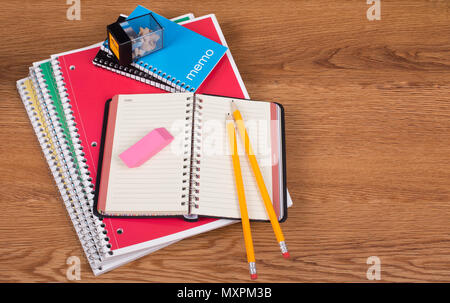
{"x": 186, "y": 59}
{"x": 194, "y": 174}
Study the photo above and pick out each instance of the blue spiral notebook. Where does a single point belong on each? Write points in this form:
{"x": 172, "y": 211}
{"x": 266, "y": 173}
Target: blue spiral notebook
{"x": 186, "y": 59}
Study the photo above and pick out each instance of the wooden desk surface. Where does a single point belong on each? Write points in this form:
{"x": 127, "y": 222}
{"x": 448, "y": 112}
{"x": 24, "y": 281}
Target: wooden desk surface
{"x": 368, "y": 142}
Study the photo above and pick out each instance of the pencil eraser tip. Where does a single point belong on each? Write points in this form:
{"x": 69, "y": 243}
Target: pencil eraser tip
{"x": 253, "y": 276}
{"x": 286, "y": 255}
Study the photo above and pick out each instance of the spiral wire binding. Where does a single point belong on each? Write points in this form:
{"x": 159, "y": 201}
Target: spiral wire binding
{"x": 156, "y": 72}
{"x": 95, "y": 222}
{"x": 192, "y": 153}
{"x": 51, "y": 119}
{"x": 41, "y": 135}
{"x": 59, "y": 173}
{"x": 105, "y": 59}
{"x": 91, "y": 226}
{"x": 77, "y": 208}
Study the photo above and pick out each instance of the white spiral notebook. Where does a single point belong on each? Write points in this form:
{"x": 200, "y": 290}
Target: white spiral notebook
{"x": 42, "y": 129}
{"x": 193, "y": 175}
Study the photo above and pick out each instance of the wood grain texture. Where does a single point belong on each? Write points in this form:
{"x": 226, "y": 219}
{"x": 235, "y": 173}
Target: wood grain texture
{"x": 368, "y": 142}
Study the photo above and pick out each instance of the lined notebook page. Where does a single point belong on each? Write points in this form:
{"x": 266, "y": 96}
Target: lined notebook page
{"x": 217, "y": 194}
{"x": 156, "y": 185}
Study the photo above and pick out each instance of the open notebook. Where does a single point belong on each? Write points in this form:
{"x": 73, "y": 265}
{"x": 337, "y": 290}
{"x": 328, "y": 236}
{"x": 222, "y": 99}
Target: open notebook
{"x": 193, "y": 175}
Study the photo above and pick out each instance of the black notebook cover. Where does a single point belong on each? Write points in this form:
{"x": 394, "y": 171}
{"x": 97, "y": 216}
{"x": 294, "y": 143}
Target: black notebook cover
{"x": 100, "y": 164}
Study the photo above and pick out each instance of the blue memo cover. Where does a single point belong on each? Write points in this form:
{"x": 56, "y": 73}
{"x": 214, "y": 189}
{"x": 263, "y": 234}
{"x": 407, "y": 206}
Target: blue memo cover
{"x": 186, "y": 58}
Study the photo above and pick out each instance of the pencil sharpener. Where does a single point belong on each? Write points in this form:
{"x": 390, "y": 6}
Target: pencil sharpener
{"x": 134, "y": 38}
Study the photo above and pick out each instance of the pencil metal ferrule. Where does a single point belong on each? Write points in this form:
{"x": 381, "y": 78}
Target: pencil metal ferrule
{"x": 252, "y": 268}
{"x": 283, "y": 247}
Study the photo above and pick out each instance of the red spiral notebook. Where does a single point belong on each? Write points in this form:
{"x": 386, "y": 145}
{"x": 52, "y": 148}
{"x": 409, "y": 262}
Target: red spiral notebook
{"x": 87, "y": 87}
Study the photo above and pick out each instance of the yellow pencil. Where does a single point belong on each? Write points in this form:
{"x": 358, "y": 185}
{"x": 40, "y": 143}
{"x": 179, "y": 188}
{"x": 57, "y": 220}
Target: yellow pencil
{"x": 259, "y": 179}
{"x": 241, "y": 197}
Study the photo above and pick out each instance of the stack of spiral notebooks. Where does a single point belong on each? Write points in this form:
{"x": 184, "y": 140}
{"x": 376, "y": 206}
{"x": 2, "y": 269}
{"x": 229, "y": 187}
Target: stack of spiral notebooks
{"x": 65, "y": 97}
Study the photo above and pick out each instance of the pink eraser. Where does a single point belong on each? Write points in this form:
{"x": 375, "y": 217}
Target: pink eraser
{"x": 146, "y": 148}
